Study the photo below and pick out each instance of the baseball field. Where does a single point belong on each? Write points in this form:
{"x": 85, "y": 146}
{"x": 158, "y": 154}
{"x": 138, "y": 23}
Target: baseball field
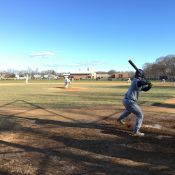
{"x": 48, "y": 130}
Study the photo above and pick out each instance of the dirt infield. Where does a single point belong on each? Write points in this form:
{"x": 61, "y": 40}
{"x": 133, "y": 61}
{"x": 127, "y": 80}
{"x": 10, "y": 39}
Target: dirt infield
{"x": 38, "y": 141}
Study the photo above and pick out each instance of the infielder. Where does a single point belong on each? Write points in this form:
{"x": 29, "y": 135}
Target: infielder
{"x": 131, "y": 98}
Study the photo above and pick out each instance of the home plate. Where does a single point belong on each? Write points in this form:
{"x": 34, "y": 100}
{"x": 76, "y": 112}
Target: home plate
{"x": 155, "y": 126}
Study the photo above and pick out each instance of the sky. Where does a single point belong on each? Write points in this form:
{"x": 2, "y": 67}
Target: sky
{"x": 76, "y": 35}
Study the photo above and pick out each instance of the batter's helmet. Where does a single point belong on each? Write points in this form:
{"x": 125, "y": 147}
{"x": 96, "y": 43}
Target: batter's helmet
{"x": 139, "y": 73}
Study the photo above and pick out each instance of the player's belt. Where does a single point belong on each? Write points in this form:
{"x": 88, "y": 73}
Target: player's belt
{"x": 130, "y": 99}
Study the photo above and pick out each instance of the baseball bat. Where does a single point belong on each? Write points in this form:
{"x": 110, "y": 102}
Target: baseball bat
{"x": 133, "y": 65}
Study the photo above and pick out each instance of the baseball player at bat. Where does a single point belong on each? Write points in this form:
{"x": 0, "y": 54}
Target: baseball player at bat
{"x": 130, "y": 100}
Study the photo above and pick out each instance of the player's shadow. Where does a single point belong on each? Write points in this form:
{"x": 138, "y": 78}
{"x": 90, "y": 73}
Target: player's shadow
{"x": 4, "y": 173}
{"x": 60, "y": 87}
{"x": 166, "y": 105}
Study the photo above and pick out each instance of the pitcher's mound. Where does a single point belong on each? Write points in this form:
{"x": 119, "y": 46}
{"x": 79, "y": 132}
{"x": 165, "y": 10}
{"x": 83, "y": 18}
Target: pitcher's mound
{"x": 69, "y": 89}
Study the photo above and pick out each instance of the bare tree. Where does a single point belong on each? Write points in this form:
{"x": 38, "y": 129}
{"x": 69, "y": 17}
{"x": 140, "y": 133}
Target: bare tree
{"x": 164, "y": 67}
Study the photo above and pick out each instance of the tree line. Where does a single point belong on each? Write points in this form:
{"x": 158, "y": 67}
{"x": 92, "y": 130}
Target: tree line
{"x": 162, "y": 68}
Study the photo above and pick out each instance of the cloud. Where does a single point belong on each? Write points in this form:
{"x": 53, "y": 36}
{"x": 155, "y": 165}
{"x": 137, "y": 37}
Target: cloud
{"x": 42, "y": 54}
{"x": 63, "y": 65}
{"x": 83, "y": 64}
{"x": 92, "y": 63}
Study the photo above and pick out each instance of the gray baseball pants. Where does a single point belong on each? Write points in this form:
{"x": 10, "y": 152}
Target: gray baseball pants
{"x": 132, "y": 107}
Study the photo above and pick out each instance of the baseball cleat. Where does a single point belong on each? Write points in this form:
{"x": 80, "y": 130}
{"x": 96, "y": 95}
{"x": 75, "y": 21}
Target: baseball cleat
{"x": 121, "y": 122}
{"x": 138, "y": 134}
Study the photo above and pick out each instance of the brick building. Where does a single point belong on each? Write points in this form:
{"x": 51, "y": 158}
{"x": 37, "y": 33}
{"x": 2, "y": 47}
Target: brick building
{"x": 120, "y": 75}
{"x": 78, "y": 76}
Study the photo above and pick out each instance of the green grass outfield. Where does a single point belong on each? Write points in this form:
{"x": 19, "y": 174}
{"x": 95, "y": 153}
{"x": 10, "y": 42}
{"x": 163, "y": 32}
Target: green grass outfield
{"x": 51, "y": 94}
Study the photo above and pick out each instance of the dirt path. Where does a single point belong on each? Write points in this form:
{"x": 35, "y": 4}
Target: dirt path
{"x": 36, "y": 141}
